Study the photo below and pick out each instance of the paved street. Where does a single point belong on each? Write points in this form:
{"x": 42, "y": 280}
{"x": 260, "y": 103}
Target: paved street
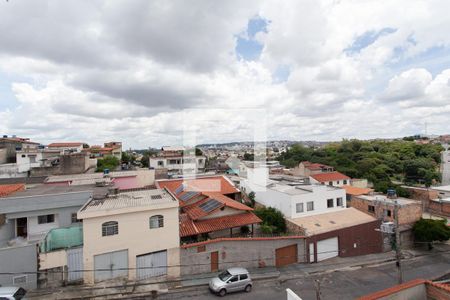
{"x": 346, "y": 284}
{"x": 445, "y": 167}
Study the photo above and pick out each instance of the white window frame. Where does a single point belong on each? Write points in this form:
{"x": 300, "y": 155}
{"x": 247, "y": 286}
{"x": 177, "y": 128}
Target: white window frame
{"x": 308, "y": 206}
{"x": 110, "y": 228}
{"x": 297, "y": 205}
{"x": 156, "y": 221}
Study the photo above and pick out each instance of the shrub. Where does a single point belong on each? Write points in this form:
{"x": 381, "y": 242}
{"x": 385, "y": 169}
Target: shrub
{"x": 273, "y": 218}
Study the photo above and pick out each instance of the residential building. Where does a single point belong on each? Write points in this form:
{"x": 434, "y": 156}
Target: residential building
{"x": 66, "y": 147}
{"x": 382, "y": 207}
{"x": 296, "y": 196}
{"x": 11, "y": 145}
{"x": 26, "y": 217}
{"x": 352, "y": 191}
{"x": 209, "y": 206}
{"x": 330, "y": 178}
{"x": 116, "y": 148}
{"x": 29, "y": 158}
{"x": 109, "y": 149}
{"x": 178, "y": 161}
{"x": 306, "y": 169}
{"x": 343, "y": 233}
{"x": 419, "y": 289}
{"x": 133, "y": 235}
{"x": 443, "y": 191}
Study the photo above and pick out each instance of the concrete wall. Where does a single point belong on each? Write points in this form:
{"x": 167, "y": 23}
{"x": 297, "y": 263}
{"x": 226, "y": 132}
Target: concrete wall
{"x": 415, "y": 292}
{"x": 10, "y": 171}
{"x": 52, "y": 259}
{"x": 134, "y": 235}
{"x": 68, "y": 164}
{"x": 439, "y": 207}
{"x": 246, "y": 253}
{"x": 17, "y": 260}
{"x": 145, "y": 177}
{"x": 7, "y": 232}
{"x": 3, "y": 156}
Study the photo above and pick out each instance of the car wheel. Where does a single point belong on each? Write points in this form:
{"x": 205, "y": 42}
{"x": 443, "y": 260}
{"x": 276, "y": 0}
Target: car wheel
{"x": 248, "y": 288}
{"x": 222, "y": 292}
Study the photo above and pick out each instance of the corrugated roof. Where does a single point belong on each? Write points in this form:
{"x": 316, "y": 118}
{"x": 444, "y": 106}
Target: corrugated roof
{"x": 331, "y": 176}
{"x": 356, "y": 191}
{"x": 8, "y": 189}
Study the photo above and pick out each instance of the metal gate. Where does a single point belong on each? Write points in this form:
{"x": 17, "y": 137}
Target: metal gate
{"x": 74, "y": 264}
{"x": 327, "y": 248}
{"x": 151, "y": 265}
{"x": 111, "y": 265}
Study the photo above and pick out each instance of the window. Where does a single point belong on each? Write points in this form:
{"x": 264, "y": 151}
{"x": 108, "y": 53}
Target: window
{"x": 330, "y": 203}
{"x": 337, "y": 182}
{"x": 32, "y": 158}
{"x": 345, "y": 181}
{"x": 200, "y": 161}
{"x": 110, "y": 228}
{"x": 330, "y": 182}
{"x": 371, "y": 209}
{"x": 23, "y": 155}
{"x": 160, "y": 163}
{"x": 46, "y": 219}
{"x": 299, "y": 207}
{"x": 310, "y": 206}
{"x": 339, "y": 201}
{"x": 75, "y": 219}
{"x": 388, "y": 213}
{"x": 243, "y": 276}
{"x": 156, "y": 221}
{"x": 234, "y": 279}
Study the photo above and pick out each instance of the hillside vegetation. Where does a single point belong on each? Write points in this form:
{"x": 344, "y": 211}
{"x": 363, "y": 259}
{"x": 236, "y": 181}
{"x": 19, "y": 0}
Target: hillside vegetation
{"x": 385, "y": 164}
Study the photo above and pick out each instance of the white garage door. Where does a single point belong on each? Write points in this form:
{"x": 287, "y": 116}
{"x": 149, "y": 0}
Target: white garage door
{"x": 151, "y": 265}
{"x": 327, "y": 248}
{"x": 111, "y": 265}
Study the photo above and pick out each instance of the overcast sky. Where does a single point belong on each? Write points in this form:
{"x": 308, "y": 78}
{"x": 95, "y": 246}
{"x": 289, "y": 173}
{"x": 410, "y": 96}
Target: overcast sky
{"x": 145, "y": 72}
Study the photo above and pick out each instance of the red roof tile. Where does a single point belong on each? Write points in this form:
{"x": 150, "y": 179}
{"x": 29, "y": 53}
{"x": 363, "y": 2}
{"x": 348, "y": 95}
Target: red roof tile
{"x": 217, "y": 184}
{"x": 314, "y": 166}
{"x": 331, "y": 176}
{"x": 393, "y": 290}
{"x": 189, "y": 227}
{"x": 228, "y": 201}
{"x": 69, "y": 144}
{"x": 8, "y": 189}
{"x": 356, "y": 191}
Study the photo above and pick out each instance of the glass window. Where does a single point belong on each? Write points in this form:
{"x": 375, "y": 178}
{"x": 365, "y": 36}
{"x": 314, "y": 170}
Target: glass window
{"x": 299, "y": 207}
{"x": 46, "y": 219}
{"x": 156, "y": 221}
{"x": 330, "y": 182}
{"x": 243, "y": 277}
{"x": 345, "y": 181}
{"x": 110, "y": 228}
{"x": 224, "y": 276}
{"x": 371, "y": 208}
{"x": 330, "y": 203}
{"x": 339, "y": 201}
{"x": 310, "y": 206}
{"x": 234, "y": 278}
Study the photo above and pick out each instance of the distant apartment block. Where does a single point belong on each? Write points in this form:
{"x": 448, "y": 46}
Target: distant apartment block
{"x": 178, "y": 161}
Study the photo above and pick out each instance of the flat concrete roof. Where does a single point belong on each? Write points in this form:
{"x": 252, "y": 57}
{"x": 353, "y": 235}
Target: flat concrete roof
{"x": 88, "y": 176}
{"x": 296, "y": 188}
{"x": 444, "y": 188}
{"x": 138, "y": 198}
{"x": 385, "y": 199}
{"x": 50, "y": 189}
{"x": 331, "y": 221}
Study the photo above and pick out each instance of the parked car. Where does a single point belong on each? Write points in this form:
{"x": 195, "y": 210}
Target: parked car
{"x": 231, "y": 280}
{"x": 12, "y": 293}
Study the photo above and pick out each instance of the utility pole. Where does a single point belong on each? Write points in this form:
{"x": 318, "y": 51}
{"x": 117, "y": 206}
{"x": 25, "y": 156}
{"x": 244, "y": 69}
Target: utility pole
{"x": 317, "y": 286}
{"x": 398, "y": 253}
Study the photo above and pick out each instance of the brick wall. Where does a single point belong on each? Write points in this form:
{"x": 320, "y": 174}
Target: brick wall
{"x": 437, "y": 293}
{"x": 440, "y": 208}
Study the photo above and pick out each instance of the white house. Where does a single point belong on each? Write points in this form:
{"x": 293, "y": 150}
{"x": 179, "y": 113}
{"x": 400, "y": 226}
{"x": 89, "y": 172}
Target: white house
{"x": 65, "y": 147}
{"x": 331, "y": 178}
{"x": 295, "y": 197}
{"x": 133, "y": 235}
{"x": 35, "y": 158}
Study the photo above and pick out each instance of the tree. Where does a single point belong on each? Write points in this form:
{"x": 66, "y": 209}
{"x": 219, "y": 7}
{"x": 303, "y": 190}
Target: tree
{"x": 429, "y": 230}
{"x": 251, "y": 196}
{"x": 273, "y": 220}
{"x": 127, "y": 158}
{"x": 108, "y": 162}
{"x": 198, "y": 152}
{"x": 248, "y": 156}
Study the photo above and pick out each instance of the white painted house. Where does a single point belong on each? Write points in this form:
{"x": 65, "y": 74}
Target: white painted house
{"x": 35, "y": 158}
{"x": 178, "y": 162}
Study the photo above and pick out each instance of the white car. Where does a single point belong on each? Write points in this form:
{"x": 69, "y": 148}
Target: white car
{"x": 12, "y": 293}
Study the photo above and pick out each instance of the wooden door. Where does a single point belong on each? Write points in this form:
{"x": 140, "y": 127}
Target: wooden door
{"x": 286, "y": 255}
{"x": 214, "y": 261}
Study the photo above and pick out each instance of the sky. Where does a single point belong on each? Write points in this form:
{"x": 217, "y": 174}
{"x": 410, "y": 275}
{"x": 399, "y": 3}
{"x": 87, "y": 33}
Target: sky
{"x": 154, "y": 73}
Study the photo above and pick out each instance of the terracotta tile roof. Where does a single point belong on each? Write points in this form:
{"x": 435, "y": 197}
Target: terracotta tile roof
{"x": 217, "y": 184}
{"x": 195, "y": 212}
{"x": 7, "y": 189}
{"x": 245, "y": 239}
{"x": 69, "y": 144}
{"x": 228, "y": 201}
{"x": 188, "y": 227}
{"x": 331, "y": 176}
{"x": 393, "y": 290}
{"x": 356, "y": 191}
{"x": 314, "y": 166}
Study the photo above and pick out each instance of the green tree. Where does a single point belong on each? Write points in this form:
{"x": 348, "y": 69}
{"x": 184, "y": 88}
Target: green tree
{"x": 429, "y": 230}
{"x": 198, "y": 152}
{"x": 272, "y": 218}
{"x": 108, "y": 162}
{"x": 251, "y": 196}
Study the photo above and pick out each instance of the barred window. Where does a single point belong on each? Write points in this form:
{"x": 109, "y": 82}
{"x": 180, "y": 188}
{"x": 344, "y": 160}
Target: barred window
{"x": 156, "y": 221}
{"x": 110, "y": 228}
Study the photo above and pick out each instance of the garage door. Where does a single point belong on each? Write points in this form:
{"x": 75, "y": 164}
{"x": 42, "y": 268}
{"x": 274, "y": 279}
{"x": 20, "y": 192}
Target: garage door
{"x": 111, "y": 265}
{"x": 151, "y": 265}
{"x": 327, "y": 249}
{"x": 286, "y": 255}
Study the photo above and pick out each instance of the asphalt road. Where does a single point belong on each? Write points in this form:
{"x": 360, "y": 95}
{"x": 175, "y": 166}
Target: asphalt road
{"x": 445, "y": 166}
{"x": 341, "y": 285}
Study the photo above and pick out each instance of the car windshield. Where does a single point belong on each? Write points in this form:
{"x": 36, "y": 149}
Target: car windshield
{"x": 224, "y": 276}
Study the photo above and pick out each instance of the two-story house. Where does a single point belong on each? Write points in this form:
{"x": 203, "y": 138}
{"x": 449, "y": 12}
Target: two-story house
{"x": 133, "y": 235}
{"x": 178, "y": 161}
